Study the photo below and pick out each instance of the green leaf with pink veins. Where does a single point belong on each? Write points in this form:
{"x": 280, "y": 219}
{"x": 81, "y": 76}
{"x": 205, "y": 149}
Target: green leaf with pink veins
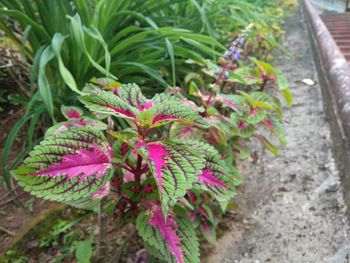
{"x": 173, "y": 237}
{"x": 72, "y": 166}
{"x": 174, "y": 166}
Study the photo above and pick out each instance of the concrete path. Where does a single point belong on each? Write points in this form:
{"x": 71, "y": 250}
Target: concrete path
{"x": 291, "y": 207}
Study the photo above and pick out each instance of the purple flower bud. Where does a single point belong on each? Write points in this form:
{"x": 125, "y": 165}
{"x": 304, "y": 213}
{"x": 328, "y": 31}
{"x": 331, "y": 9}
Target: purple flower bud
{"x": 241, "y": 41}
{"x": 237, "y": 55}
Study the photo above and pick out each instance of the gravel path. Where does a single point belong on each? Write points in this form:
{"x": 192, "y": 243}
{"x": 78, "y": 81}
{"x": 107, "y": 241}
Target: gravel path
{"x": 291, "y": 208}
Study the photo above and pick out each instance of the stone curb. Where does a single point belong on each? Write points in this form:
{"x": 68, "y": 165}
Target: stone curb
{"x": 334, "y": 76}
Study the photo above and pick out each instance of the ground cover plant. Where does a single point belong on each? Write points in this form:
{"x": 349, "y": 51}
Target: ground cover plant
{"x": 167, "y": 164}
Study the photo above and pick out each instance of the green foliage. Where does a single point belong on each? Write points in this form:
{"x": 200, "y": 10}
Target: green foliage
{"x": 50, "y": 170}
{"x": 154, "y": 237}
{"x": 83, "y": 251}
{"x": 70, "y": 42}
{"x": 167, "y": 163}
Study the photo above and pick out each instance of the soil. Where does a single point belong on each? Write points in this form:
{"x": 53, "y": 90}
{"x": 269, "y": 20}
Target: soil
{"x": 15, "y": 214}
{"x": 291, "y": 207}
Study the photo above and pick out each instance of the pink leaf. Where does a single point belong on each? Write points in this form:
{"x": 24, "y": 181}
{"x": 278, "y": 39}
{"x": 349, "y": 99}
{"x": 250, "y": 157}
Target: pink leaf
{"x": 187, "y": 132}
{"x": 202, "y": 212}
{"x": 162, "y": 117}
{"x": 253, "y": 111}
{"x": 146, "y": 106}
{"x": 242, "y": 125}
{"x": 83, "y": 163}
{"x": 192, "y": 196}
{"x": 167, "y": 230}
{"x": 205, "y": 228}
{"x": 192, "y": 216}
{"x": 118, "y": 110}
{"x": 73, "y": 114}
{"x": 230, "y": 103}
{"x": 124, "y": 148}
{"x": 208, "y": 178}
{"x": 157, "y": 154}
{"x": 74, "y": 123}
{"x": 269, "y": 124}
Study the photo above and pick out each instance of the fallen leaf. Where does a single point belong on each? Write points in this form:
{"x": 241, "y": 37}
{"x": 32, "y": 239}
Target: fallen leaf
{"x": 309, "y": 82}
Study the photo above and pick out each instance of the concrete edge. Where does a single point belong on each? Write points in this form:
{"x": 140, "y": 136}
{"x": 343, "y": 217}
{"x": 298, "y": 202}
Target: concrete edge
{"x": 334, "y": 77}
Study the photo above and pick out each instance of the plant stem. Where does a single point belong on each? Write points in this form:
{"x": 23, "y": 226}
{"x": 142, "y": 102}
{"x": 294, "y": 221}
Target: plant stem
{"x": 263, "y": 85}
{"x": 138, "y": 171}
{"x": 217, "y": 82}
{"x": 119, "y": 165}
{"x": 100, "y": 230}
{"x": 130, "y": 165}
{"x": 223, "y": 69}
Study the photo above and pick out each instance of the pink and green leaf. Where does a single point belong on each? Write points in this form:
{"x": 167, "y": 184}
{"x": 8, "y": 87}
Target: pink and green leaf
{"x": 175, "y": 167}
{"x": 215, "y": 177}
{"x": 235, "y": 102}
{"x": 256, "y": 115}
{"x": 132, "y": 94}
{"x": 106, "y": 102}
{"x": 70, "y": 166}
{"x": 173, "y": 237}
{"x": 208, "y": 232}
{"x": 71, "y": 112}
{"x": 66, "y": 125}
{"x": 207, "y": 178}
{"x": 183, "y": 131}
{"x": 275, "y": 126}
{"x": 175, "y": 111}
{"x": 240, "y": 127}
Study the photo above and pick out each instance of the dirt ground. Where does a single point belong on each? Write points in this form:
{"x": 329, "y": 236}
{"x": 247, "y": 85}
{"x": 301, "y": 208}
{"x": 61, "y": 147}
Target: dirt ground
{"x": 291, "y": 207}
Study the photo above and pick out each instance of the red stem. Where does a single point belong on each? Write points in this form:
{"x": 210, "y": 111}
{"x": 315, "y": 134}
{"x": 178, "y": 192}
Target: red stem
{"x": 223, "y": 69}
{"x": 119, "y": 165}
{"x": 138, "y": 171}
{"x": 217, "y": 82}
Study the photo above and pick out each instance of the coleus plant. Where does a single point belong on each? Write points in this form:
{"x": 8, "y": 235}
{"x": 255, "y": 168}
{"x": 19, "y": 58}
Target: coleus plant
{"x": 242, "y": 103}
{"x": 156, "y": 181}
